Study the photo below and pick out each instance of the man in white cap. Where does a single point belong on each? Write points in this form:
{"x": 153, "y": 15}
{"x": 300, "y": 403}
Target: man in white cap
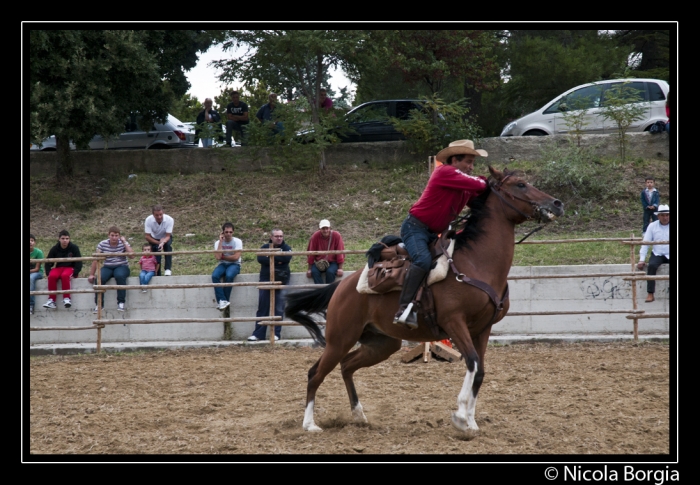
{"x": 325, "y": 239}
{"x": 450, "y": 188}
{"x": 656, "y": 231}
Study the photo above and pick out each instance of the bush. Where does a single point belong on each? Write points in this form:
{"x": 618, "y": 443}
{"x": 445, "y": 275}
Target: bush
{"x": 578, "y": 172}
{"x": 440, "y": 123}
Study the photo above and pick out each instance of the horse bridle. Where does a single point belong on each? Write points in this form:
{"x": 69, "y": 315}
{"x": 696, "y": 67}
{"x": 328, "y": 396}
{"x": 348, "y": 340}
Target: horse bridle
{"x": 497, "y": 188}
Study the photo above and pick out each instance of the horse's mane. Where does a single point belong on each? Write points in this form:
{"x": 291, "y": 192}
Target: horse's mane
{"x": 478, "y": 213}
{"x": 473, "y": 228}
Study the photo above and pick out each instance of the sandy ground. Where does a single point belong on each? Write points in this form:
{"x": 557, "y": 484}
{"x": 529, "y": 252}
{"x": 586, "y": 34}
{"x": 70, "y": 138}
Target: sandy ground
{"x": 537, "y": 398}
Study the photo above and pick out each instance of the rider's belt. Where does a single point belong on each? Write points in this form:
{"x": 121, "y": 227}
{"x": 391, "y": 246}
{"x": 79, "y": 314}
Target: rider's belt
{"x": 417, "y": 221}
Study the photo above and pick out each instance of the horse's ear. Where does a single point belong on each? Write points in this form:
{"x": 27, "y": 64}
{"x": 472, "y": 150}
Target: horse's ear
{"x": 495, "y": 173}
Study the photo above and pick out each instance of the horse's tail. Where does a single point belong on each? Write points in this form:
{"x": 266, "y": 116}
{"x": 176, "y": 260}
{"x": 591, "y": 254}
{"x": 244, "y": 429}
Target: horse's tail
{"x": 301, "y": 304}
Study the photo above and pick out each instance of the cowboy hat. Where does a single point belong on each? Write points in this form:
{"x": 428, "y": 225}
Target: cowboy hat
{"x": 324, "y": 223}
{"x": 460, "y": 147}
{"x": 663, "y": 209}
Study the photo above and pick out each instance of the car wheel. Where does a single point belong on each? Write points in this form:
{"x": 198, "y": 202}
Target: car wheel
{"x": 535, "y": 133}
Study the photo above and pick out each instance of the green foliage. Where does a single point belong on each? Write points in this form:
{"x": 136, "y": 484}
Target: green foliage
{"x": 84, "y": 82}
{"x": 576, "y": 174}
{"x": 623, "y": 107}
{"x": 186, "y": 108}
{"x": 574, "y": 114}
{"x": 432, "y": 129}
{"x": 291, "y": 58}
{"x": 433, "y": 56}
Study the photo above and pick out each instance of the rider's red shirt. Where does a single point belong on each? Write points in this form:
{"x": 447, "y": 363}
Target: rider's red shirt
{"x": 448, "y": 191}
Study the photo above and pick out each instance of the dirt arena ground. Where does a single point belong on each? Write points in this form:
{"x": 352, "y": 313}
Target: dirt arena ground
{"x": 537, "y": 398}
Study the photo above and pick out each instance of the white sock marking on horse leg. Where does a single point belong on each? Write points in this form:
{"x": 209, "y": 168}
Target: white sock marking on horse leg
{"x": 358, "y": 414}
{"x": 309, "y": 424}
{"x": 466, "y": 402}
{"x": 471, "y": 407}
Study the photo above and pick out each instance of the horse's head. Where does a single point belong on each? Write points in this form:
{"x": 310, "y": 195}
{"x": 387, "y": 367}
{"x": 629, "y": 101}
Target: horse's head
{"x": 515, "y": 193}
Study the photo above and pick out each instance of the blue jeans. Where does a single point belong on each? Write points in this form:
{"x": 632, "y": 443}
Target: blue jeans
{"x": 120, "y": 274}
{"x": 264, "y": 310}
{"x": 236, "y": 126}
{"x": 32, "y": 284}
{"x": 417, "y": 239}
{"x": 145, "y": 276}
{"x": 330, "y": 273}
{"x": 229, "y": 271}
{"x": 167, "y": 247}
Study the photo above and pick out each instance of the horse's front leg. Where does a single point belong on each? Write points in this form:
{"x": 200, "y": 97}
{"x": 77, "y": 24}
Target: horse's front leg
{"x": 463, "y": 418}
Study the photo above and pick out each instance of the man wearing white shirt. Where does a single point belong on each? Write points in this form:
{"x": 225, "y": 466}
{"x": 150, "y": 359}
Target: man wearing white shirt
{"x": 159, "y": 233}
{"x": 656, "y": 231}
{"x": 229, "y": 264}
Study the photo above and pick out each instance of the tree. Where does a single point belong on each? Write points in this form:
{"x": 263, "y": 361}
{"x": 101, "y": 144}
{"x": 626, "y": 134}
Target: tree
{"x": 86, "y": 82}
{"x": 186, "y": 108}
{"x": 296, "y": 58}
{"x": 650, "y": 51}
{"x": 433, "y": 56}
{"x": 622, "y": 106}
{"x": 538, "y": 65}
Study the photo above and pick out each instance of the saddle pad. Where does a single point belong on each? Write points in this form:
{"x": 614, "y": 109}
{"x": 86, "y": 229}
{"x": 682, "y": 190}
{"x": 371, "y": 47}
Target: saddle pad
{"x": 438, "y": 273}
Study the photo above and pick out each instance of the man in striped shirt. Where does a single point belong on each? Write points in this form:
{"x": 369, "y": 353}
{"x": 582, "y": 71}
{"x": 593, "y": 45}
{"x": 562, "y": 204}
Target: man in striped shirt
{"x": 113, "y": 266}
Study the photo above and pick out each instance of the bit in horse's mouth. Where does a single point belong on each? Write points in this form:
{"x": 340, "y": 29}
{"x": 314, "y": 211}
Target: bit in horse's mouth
{"x": 546, "y": 215}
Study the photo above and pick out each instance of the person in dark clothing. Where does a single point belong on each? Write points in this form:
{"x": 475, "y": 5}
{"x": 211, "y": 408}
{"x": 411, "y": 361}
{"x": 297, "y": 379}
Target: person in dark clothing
{"x": 63, "y": 270}
{"x": 282, "y": 274}
{"x": 236, "y": 118}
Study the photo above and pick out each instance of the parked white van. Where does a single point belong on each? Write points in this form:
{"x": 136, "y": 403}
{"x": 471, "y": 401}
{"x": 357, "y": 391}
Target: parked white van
{"x": 549, "y": 120}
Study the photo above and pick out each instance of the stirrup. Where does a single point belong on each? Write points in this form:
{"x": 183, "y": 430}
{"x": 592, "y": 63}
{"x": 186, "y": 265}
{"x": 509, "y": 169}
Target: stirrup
{"x": 404, "y": 318}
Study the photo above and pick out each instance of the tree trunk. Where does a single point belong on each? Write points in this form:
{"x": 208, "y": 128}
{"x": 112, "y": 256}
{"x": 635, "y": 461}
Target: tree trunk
{"x": 322, "y": 161}
{"x": 64, "y": 162}
{"x": 474, "y": 101}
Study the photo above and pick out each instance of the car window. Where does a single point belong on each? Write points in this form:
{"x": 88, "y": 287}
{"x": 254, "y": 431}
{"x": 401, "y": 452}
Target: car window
{"x": 371, "y": 112}
{"x": 585, "y": 98}
{"x": 403, "y": 109}
{"x": 655, "y": 92}
{"x": 637, "y": 90}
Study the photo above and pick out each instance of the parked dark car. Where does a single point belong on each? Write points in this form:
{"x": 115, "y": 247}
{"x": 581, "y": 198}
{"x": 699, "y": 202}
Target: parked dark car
{"x": 370, "y": 121}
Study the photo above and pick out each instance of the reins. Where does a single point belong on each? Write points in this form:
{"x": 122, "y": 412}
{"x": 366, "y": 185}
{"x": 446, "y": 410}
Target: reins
{"x": 462, "y": 278}
{"x": 497, "y": 188}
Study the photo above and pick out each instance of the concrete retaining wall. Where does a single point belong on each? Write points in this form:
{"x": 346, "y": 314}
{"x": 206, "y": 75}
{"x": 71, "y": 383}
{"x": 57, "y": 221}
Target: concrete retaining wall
{"x": 501, "y": 151}
{"x": 565, "y": 294}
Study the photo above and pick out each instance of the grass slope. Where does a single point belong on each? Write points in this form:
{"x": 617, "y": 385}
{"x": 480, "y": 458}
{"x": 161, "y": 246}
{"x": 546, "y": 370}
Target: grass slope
{"x": 363, "y": 203}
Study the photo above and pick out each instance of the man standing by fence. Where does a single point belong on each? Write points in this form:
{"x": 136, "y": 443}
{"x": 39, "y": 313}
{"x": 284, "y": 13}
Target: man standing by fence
{"x": 657, "y": 231}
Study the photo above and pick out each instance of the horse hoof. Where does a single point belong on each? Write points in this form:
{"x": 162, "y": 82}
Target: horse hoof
{"x": 312, "y": 428}
{"x": 461, "y": 424}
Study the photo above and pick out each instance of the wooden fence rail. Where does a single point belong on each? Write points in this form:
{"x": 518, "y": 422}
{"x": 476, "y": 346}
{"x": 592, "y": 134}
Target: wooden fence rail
{"x": 98, "y": 324}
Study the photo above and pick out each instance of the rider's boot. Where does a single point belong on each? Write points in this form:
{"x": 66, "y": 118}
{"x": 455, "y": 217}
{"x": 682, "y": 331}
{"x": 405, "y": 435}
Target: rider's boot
{"x": 406, "y": 316}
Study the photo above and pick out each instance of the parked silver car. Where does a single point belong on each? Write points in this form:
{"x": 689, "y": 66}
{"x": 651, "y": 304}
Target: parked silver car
{"x": 171, "y": 134}
{"x": 549, "y": 119}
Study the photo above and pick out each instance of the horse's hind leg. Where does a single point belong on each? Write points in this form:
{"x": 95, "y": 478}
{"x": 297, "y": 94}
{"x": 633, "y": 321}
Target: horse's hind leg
{"x": 318, "y": 372}
{"x": 374, "y": 348}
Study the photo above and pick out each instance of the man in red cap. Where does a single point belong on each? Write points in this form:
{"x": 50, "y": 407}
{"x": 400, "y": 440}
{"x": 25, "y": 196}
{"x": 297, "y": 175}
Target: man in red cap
{"x": 450, "y": 188}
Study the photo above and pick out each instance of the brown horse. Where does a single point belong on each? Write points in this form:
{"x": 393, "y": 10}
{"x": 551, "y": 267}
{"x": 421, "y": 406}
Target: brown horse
{"x": 465, "y": 312}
